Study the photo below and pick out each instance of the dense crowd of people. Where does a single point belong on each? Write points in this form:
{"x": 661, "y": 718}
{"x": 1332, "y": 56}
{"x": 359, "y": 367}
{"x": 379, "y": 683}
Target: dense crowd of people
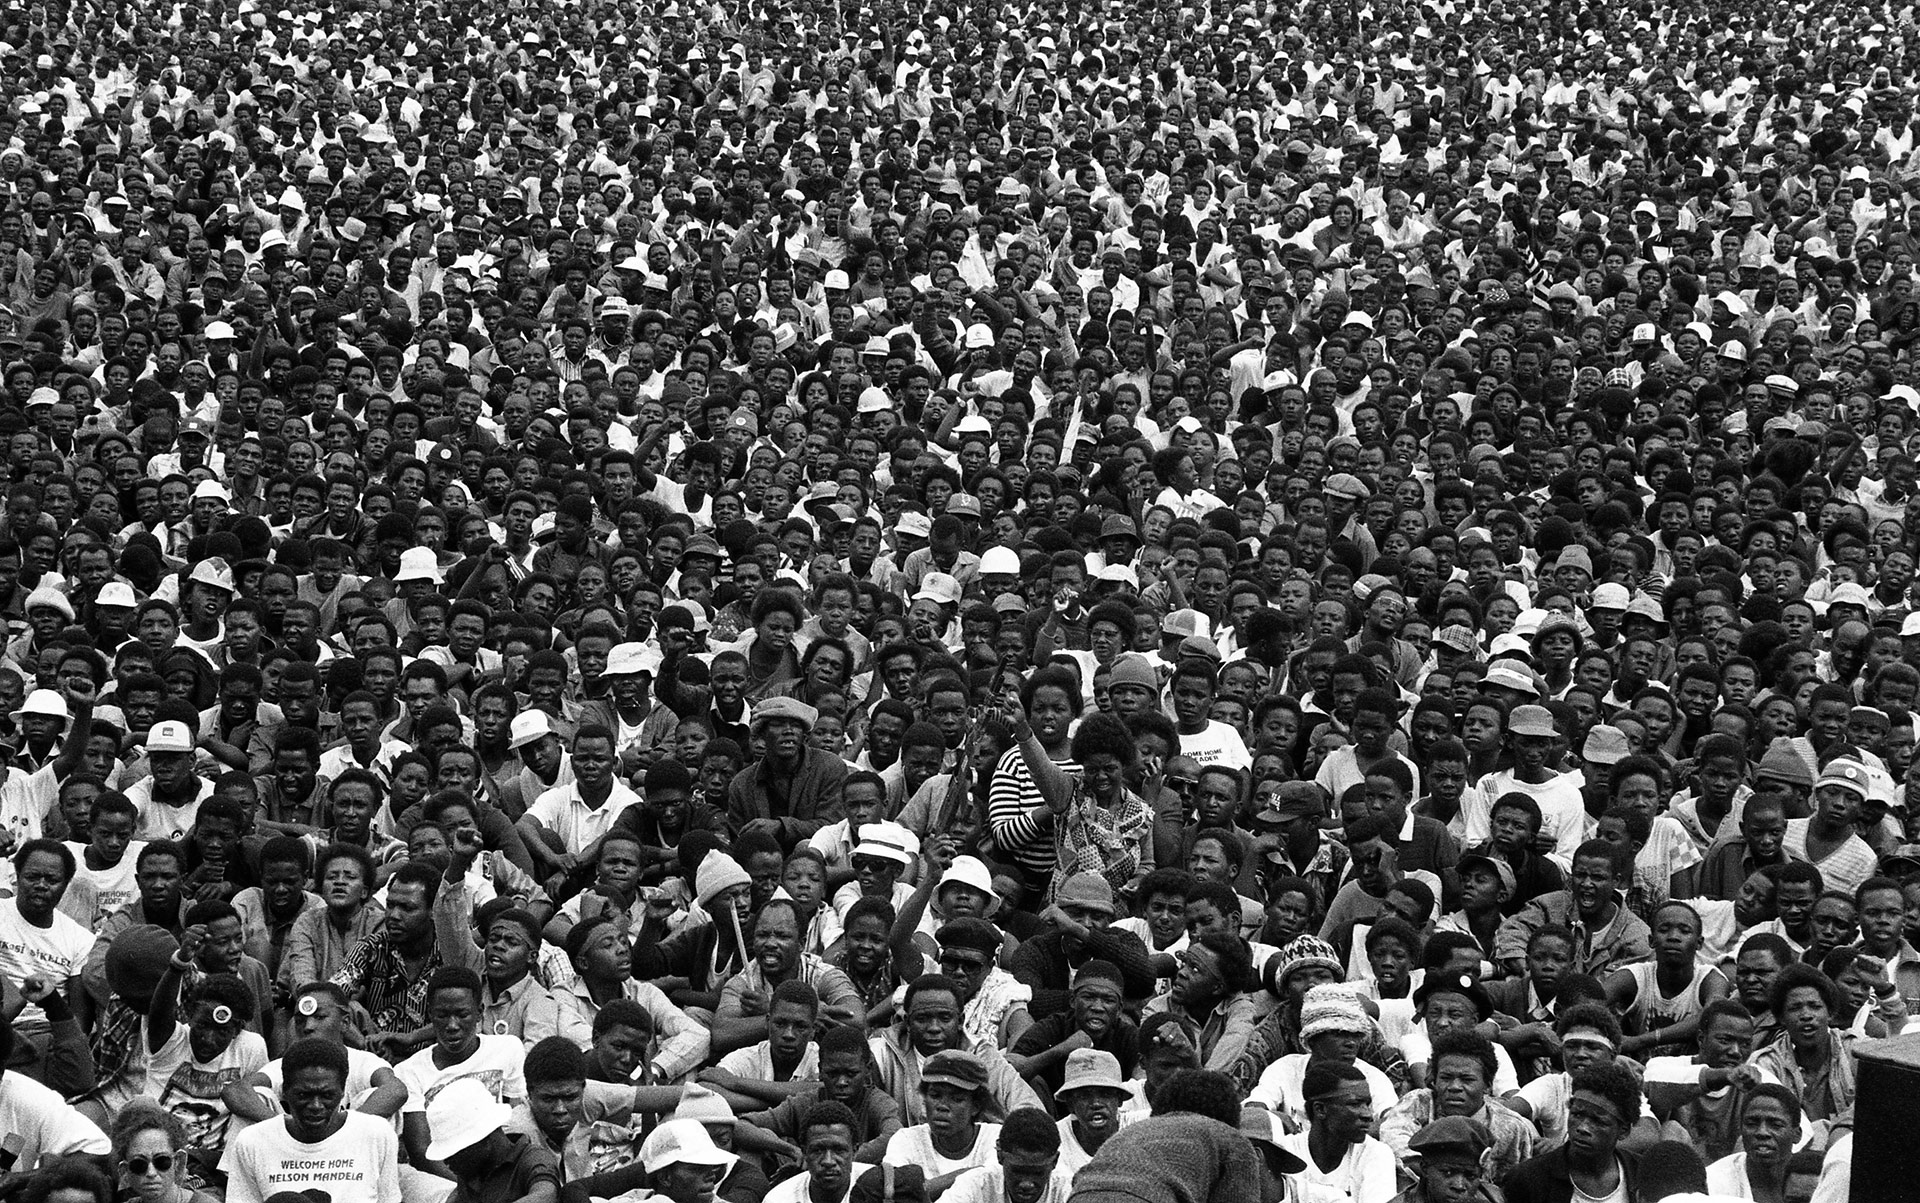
{"x": 999, "y": 604}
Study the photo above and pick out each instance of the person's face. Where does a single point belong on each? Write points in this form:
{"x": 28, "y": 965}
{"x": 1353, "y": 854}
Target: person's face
{"x": 1208, "y": 861}
{"x": 221, "y": 952}
{"x": 1793, "y": 901}
{"x": 620, "y": 1050}
{"x": 683, "y": 1183}
{"x": 454, "y": 1015}
{"x": 1459, "y": 1086}
{"x": 1449, "y": 1179}
{"x": 829, "y": 1157}
{"x": 1881, "y": 914}
{"x": 951, "y": 1110}
{"x": 1833, "y": 922}
{"x": 1198, "y": 982}
{"x": 311, "y": 1098}
{"x": 1026, "y": 1176}
{"x": 1837, "y": 805}
{"x": 1753, "y": 977}
{"x": 1805, "y": 1016}
{"x": 1097, "y": 1110}
{"x": 1725, "y": 1041}
{"x": 111, "y": 833}
{"x": 933, "y": 1021}
{"x": 1593, "y": 1126}
{"x": 776, "y": 942}
{"x": 408, "y": 916}
{"x": 1346, "y": 1113}
{"x": 607, "y": 954}
{"x": 1768, "y": 1131}
{"x": 556, "y": 1106}
{"x": 508, "y": 951}
{"x": 788, "y": 1031}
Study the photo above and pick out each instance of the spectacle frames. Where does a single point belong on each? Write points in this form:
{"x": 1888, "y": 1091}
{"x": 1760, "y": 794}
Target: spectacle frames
{"x": 1182, "y": 785}
{"x": 970, "y": 964}
{"x": 159, "y": 1161}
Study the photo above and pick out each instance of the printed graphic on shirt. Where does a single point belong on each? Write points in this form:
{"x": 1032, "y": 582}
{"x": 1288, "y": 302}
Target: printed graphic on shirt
{"x": 192, "y": 1094}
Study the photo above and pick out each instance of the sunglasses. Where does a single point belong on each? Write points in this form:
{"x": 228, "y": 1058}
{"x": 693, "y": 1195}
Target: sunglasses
{"x": 1181, "y": 785}
{"x": 159, "y": 1161}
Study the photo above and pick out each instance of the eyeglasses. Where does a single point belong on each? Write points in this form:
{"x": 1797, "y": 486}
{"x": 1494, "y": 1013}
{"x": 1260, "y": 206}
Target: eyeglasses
{"x": 1181, "y": 785}
{"x": 969, "y": 964}
{"x": 159, "y": 1161}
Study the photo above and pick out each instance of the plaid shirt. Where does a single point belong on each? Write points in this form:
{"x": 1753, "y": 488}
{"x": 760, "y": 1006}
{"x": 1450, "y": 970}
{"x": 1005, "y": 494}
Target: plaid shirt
{"x": 376, "y": 974}
{"x": 118, "y": 1056}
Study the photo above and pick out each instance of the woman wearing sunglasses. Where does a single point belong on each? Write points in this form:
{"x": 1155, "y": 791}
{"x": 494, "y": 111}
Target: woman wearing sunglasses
{"x": 147, "y": 1143}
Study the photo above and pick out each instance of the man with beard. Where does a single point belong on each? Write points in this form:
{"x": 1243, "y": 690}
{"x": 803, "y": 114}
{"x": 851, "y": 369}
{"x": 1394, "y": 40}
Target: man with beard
{"x": 743, "y": 1016}
{"x": 388, "y": 972}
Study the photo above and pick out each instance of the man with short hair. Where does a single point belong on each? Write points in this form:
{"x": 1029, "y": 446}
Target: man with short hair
{"x": 1028, "y": 1169}
{"x": 1603, "y": 1106}
{"x": 314, "y": 1143}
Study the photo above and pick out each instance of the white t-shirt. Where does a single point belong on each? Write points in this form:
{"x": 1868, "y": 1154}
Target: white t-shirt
{"x": 1340, "y": 772}
{"x": 100, "y": 892}
{"x": 358, "y": 1164}
{"x": 361, "y": 1066}
{"x": 914, "y": 1146}
{"x": 1617, "y": 1195}
{"x": 757, "y": 1062}
{"x": 497, "y": 1063}
{"x": 190, "y": 1089}
{"x": 799, "y": 1188}
{"x": 46, "y": 1126}
{"x": 25, "y": 801}
{"x": 987, "y": 1186}
{"x": 1218, "y": 744}
{"x": 57, "y": 952}
{"x": 1563, "y": 811}
{"x": 158, "y": 821}
{"x": 1364, "y": 1175}
{"x": 1279, "y": 1087}
{"x": 1073, "y": 1155}
{"x": 1548, "y": 1095}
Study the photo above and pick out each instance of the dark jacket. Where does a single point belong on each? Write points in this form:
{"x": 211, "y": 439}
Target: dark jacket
{"x": 812, "y": 797}
{"x": 1043, "y": 963}
{"x": 1548, "y": 1179}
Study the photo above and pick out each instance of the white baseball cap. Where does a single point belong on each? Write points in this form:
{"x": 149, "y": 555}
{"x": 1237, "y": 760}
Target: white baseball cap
{"x": 529, "y": 726}
{"x": 169, "y": 736}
